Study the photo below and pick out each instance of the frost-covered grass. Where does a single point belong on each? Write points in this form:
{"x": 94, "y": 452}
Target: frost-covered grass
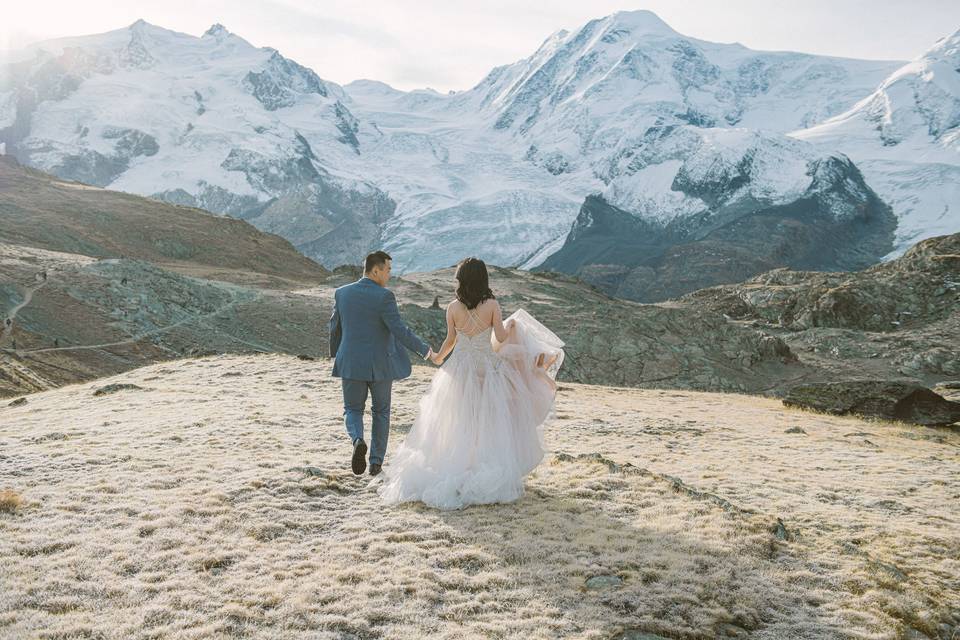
{"x": 218, "y": 502}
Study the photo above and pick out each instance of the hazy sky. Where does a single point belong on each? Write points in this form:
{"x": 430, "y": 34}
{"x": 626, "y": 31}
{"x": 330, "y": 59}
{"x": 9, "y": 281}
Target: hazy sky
{"x": 451, "y": 44}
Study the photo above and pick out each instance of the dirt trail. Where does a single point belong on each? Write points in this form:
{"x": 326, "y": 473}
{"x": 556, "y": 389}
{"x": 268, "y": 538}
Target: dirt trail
{"x": 147, "y": 334}
{"x": 12, "y": 316}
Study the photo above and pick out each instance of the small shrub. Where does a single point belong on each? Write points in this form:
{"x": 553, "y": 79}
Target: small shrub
{"x": 10, "y": 501}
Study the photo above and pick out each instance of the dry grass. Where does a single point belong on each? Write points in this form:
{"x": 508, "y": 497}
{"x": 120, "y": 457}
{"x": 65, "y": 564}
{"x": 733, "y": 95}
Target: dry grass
{"x": 10, "y": 501}
{"x": 218, "y": 502}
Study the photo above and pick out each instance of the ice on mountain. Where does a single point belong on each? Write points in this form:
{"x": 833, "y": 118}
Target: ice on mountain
{"x": 905, "y": 138}
{"x": 8, "y": 108}
{"x": 663, "y": 125}
{"x": 281, "y": 81}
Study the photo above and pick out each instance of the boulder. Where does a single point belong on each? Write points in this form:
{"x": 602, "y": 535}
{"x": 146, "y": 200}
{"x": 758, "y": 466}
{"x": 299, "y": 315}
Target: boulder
{"x": 889, "y": 399}
{"x": 113, "y": 388}
{"x": 603, "y": 582}
{"x": 637, "y": 634}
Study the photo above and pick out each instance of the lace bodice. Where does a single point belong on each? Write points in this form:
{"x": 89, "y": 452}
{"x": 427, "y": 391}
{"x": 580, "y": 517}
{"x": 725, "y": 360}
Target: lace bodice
{"x": 475, "y": 345}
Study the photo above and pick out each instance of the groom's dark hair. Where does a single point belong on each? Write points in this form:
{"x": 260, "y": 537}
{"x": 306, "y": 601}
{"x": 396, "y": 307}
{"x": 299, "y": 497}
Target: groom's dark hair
{"x": 375, "y": 259}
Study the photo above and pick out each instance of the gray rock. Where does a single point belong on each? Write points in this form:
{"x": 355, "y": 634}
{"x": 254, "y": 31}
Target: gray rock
{"x": 347, "y": 125}
{"x": 311, "y": 471}
{"x": 779, "y": 531}
{"x": 90, "y": 167}
{"x": 889, "y": 399}
{"x": 888, "y": 297}
{"x": 795, "y": 430}
{"x": 280, "y": 82}
{"x": 839, "y": 223}
{"x": 131, "y": 143}
{"x": 603, "y": 582}
{"x": 113, "y": 388}
{"x": 19, "y": 402}
{"x": 636, "y": 634}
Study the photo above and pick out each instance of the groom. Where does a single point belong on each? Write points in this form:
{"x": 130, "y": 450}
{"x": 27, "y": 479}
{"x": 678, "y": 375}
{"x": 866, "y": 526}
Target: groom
{"x": 365, "y": 330}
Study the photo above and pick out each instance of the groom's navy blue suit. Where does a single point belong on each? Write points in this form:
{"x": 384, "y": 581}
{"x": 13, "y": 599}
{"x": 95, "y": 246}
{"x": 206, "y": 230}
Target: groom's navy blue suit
{"x": 367, "y": 338}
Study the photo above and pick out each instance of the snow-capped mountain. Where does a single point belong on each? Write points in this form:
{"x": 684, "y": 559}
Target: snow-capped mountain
{"x": 621, "y": 74}
{"x": 212, "y": 122}
{"x": 697, "y": 206}
{"x": 905, "y": 137}
{"x": 686, "y": 138}
{"x": 565, "y": 122}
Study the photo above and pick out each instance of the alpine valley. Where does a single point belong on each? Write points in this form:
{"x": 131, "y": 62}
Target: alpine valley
{"x": 643, "y": 161}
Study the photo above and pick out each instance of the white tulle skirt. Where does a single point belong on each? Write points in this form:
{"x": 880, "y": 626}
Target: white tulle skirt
{"x": 479, "y": 430}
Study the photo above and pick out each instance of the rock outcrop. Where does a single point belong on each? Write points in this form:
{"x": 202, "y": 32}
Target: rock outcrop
{"x": 898, "y": 319}
{"x": 889, "y": 399}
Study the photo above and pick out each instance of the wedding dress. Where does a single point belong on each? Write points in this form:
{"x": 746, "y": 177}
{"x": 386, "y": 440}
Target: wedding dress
{"x": 480, "y": 426}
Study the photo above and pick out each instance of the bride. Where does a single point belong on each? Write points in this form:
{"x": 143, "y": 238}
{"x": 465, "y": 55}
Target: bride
{"x": 480, "y": 426}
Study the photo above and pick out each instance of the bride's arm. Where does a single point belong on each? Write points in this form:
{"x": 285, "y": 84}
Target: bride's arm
{"x": 502, "y": 332}
{"x": 451, "y": 339}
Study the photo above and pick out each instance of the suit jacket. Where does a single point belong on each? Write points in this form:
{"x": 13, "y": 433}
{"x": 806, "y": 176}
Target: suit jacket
{"x": 367, "y": 335}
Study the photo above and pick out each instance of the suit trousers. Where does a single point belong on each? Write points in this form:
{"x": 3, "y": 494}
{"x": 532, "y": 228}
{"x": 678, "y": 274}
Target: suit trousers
{"x": 354, "y": 403}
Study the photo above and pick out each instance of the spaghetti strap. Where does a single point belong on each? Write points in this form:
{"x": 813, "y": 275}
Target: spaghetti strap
{"x": 476, "y": 323}
{"x": 473, "y": 316}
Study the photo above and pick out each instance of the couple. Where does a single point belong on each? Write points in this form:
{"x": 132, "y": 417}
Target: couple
{"x": 479, "y": 430}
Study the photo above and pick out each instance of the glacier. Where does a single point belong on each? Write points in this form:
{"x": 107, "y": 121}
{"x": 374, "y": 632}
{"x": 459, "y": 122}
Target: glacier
{"x": 905, "y": 137}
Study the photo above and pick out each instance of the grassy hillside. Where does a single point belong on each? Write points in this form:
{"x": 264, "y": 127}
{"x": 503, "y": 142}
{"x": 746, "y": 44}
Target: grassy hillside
{"x": 44, "y": 212}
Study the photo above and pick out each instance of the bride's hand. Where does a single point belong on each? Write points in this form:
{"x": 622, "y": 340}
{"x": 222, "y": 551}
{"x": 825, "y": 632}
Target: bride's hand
{"x": 511, "y": 324}
{"x": 436, "y": 359}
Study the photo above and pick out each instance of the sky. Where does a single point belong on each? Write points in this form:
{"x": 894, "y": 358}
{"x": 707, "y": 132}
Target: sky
{"x": 452, "y": 44}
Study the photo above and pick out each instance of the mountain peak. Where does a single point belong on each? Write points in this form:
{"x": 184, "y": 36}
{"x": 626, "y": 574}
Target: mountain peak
{"x": 947, "y": 46}
{"x": 216, "y": 30}
{"x": 142, "y": 28}
{"x": 640, "y": 21}
{"x": 366, "y": 84}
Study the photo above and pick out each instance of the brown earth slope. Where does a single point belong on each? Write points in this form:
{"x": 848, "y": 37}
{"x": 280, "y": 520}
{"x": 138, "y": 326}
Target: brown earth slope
{"x": 41, "y": 211}
{"x": 93, "y": 282}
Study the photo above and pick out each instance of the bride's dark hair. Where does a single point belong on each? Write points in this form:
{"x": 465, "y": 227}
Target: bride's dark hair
{"x": 474, "y": 283}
